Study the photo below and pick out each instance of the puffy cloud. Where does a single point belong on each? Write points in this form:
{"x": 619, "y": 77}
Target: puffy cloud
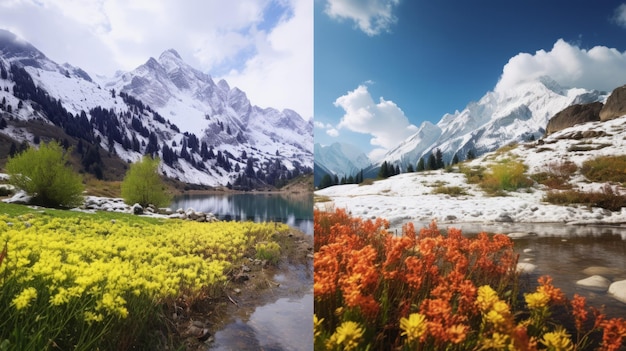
{"x": 384, "y": 120}
{"x": 620, "y": 15}
{"x": 599, "y": 68}
{"x": 332, "y": 132}
{"x": 256, "y": 43}
{"x": 370, "y": 16}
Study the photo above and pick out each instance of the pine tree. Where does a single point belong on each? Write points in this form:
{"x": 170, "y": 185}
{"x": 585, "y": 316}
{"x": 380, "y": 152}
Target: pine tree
{"x": 409, "y": 169}
{"x": 439, "y": 159}
{"x": 432, "y": 162}
{"x": 420, "y": 165}
{"x": 455, "y": 159}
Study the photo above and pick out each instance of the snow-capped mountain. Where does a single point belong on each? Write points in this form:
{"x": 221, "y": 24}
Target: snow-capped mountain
{"x": 341, "y": 159}
{"x": 205, "y": 132}
{"x": 497, "y": 119}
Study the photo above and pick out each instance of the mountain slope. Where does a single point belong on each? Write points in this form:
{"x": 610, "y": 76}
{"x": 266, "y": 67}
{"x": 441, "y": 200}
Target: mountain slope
{"x": 206, "y": 133}
{"x": 340, "y": 158}
{"x": 497, "y": 119}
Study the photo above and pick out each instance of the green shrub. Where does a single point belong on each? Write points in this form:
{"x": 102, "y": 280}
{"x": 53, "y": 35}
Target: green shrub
{"x": 605, "y": 169}
{"x": 269, "y": 251}
{"x": 508, "y": 175}
{"x": 45, "y": 174}
{"x": 474, "y": 175}
{"x": 143, "y": 185}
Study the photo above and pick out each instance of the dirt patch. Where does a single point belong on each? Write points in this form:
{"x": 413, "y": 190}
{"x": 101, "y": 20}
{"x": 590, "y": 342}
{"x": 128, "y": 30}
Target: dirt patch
{"x": 251, "y": 284}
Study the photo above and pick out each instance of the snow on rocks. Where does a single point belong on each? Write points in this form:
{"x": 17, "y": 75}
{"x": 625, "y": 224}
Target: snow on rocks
{"x": 618, "y": 290}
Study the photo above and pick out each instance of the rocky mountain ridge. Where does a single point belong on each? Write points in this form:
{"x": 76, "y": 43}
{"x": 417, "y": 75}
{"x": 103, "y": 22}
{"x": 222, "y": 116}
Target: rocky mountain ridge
{"x": 205, "y": 132}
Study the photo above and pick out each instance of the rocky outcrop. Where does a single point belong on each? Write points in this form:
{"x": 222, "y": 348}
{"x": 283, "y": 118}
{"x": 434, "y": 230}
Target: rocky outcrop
{"x": 615, "y": 105}
{"x": 573, "y": 115}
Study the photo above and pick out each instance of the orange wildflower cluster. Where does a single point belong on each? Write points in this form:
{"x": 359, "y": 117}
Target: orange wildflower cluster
{"x": 432, "y": 290}
{"x": 381, "y": 278}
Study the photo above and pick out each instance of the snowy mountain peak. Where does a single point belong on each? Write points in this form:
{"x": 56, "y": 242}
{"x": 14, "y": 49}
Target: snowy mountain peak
{"x": 342, "y": 159}
{"x": 498, "y": 118}
{"x": 12, "y": 47}
{"x": 204, "y": 133}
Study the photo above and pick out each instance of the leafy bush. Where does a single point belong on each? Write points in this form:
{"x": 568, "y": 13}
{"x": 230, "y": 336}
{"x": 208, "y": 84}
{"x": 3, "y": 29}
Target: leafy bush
{"x": 608, "y": 198}
{"x": 143, "y": 185}
{"x": 605, "y": 169}
{"x": 474, "y": 175}
{"x": 45, "y": 174}
{"x": 507, "y": 175}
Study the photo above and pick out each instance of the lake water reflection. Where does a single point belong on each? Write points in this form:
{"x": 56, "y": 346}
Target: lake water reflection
{"x": 295, "y": 210}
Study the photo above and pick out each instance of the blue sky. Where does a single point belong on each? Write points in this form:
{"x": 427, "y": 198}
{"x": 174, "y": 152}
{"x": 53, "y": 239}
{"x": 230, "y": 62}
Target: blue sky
{"x": 264, "y": 47}
{"x": 382, "y": 67}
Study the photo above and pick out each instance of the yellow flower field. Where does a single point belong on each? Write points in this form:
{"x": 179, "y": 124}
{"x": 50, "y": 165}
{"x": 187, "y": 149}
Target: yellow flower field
{"x": 96, "y": 274}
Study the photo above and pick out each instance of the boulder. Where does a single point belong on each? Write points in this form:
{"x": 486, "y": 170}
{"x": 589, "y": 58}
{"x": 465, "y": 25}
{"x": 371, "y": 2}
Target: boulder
{"x": 137, "y": 209}
{"x": 525, "y": 267}
{"x": 573, "y": 115}
{"x": 615, "y": 105}
{"x": 618, "y": 290}
{"x": 595, "y": 281}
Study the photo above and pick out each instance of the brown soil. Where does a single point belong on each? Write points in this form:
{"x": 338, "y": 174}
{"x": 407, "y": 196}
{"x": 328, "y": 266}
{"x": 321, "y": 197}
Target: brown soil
{"x": 195, "y": 322}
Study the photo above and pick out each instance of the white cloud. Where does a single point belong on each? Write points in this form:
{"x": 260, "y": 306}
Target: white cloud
{"x": 599, "y": 68}
{"x": 384, "y": 120}
{"x": 620, "y": 15}
{"x": 332, "y": 132}
{"x": 280, "y": 75}
{"x": 370, "y": 16}
{"x": 264, "y": 46}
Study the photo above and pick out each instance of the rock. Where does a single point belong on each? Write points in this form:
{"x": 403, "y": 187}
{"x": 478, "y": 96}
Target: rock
{"x": 615, "y": 105}
{"x": 573, "y": 115}
{"x": 504, "y": 218}
{"x": 20, "y": 198}
{"x": 598, "y": 270}
{"x": 518, "y": 235}
{"x": 618, "y": 290}
{"x": 137, "y": 209}
{"x": 595, "y": 281}
{"x": 525, "y": 267}
{"x": 451, "y": 218}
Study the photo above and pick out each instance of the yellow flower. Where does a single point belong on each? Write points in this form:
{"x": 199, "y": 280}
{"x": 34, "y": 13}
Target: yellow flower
{"x": 317, "y": 325}
{"x": 557, "y": 340}
{"x": 24, "y": 298}
{"x": 496, "y": 342}
{"x": 537, "y": 299}
{"x": 348, "y": 334}
{"x": 486, "y": 298}
{"x": 413, "y": 327}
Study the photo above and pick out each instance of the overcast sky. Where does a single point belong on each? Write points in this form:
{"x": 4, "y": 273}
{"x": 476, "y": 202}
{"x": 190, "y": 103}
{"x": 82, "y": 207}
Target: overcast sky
{"x": 383, "y": 67}
{"x": 264, "y": 47}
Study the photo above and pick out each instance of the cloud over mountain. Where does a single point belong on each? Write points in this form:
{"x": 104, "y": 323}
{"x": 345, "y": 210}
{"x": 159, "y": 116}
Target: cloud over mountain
{"x": 599, "y": 68}
{"x": 384, "y": 120}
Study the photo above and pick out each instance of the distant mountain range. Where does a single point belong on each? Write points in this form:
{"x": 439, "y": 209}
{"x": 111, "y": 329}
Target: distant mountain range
{"x": 497, "y": 119}
{"x": 205, "y": 132}
{"x": 338, "y": 159}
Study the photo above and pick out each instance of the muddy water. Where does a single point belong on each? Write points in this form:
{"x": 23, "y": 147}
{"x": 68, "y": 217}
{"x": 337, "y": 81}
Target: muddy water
{"x": 564, "y": 252}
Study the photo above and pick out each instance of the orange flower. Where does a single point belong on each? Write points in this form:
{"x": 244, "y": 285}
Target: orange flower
{"x": 556, "y": 295}
{"x": 579, "y": 311}
{"x": 457, "y": 333}
{"x": 613, "y": 334}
